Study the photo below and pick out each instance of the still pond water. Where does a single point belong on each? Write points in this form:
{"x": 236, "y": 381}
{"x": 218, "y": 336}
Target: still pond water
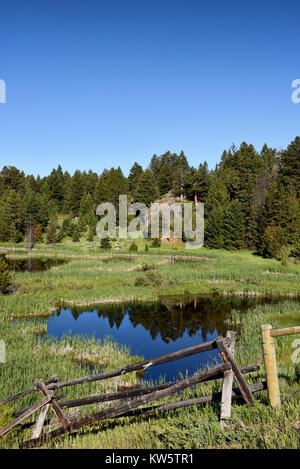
{"x": 154, "y": 329}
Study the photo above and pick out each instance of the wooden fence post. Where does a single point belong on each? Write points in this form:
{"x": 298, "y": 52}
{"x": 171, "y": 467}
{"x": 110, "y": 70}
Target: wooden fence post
{"x": 270, "y": 365}
{"x": 227, "y": 385}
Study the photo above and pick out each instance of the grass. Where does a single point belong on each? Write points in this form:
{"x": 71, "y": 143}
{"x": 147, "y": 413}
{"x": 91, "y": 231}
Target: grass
{"x": 93, "y": 275}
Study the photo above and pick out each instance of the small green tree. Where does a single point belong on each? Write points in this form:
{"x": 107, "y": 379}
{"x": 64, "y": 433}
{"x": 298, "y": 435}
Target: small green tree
{"x": 133, "y": 247}
{"x": 5, "y": 275}
{"x": 76, "y": 235}
{"x": 51, "y": 231}
{"x": 156, "y": 243}
{"x": 91, "y": 233}
{"x": 273, "y": 240}
{"x": 105, "y": 243}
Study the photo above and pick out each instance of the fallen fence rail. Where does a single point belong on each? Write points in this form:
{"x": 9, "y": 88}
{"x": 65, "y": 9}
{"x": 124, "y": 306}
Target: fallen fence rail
{"x": 228, "y": 371}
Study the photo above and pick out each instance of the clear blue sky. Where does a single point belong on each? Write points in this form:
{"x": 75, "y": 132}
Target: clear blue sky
{"x": 95, "y": 84}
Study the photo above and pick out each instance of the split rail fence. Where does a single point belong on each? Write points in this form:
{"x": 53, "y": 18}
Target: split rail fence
{"x": 131, "y": 400}
{"x": 268, "y": 334}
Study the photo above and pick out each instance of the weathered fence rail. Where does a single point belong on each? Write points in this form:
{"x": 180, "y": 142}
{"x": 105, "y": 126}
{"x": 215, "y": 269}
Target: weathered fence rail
{"x": 228, "y": 370}
{"x": 268, "y": 343}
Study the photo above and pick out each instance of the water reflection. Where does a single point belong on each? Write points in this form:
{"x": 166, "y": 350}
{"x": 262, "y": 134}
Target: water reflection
{"x": 153, "y": 329}
{"x": 34, "y": 264}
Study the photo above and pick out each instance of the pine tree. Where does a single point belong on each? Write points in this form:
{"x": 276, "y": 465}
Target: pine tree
{"x": 4, "y": 227}
{"x": 13, "y": 216}
{"x": 91, "y": 233}
{"x": 51, "y": 231}
{"x": 213, "y": 233}
{"x": 56, "y": 184}
{"x": 86, "y": 207}
{"x": 76, "y": 192}
{"x": 165, "y": 179}
{"x": 102, "y": 192}
{"x": 76, "y": 234}
{"x": 146, "y": 191}
{"x": 5, "y": 275}
{"x": 289, "y": 172}
{"x": 217, "y": 195}
{"x": 133, "y": 178}
{"x": 234, "y": 226}
{"x": 200, "y": 183}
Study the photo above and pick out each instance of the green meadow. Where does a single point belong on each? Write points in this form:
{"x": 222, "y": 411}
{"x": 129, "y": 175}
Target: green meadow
{"x": 93, "y": 275}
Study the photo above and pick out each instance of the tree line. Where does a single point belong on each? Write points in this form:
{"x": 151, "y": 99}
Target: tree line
{"x": 251, "y": 198}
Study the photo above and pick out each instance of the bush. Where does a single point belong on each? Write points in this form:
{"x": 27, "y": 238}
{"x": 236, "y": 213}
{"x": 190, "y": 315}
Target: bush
{"x": 6, "y": 417}
{"x": 156, "y": 243}
{"x": 5, "y": 275}
{"x": 146, "y": 247}
{"x": 273, "y": 240}
{"x": 149, "y": 279}
{"x": 105, "y": 243}
{"x": 145, "y": 267}
{"x": 284, "y": 253}
{"x": 133, "y": 247}
{"x": 76, "y": 235}
{"x": 91, "y": 234}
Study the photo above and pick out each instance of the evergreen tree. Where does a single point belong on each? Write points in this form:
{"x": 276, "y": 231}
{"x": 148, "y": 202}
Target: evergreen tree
{"x": 31, "y": 207}
{"x": 86, "y": 208}
{"x": 213, "y": 233}
{"x": 4, "y": 226}
{"x": 234, "y": 226}
{"x": 76, "y": 234}
{"x": 102, "y": 193}
{"x": 91, "y": 233}
{"x": 165, "y": 179}
{"x": 146, "y": 191}
{"x": 105, "y": 243}
{"x": 12, "y": 178}
{"x": 133, "y": 178}
{"x": 51, "y": 231}
{"x": 56, "y": 185}
{"x": 201, "y": 183}
{"x": 13, "y": 216}
{"x": 217, "y": 195}
{"x": 289, "y": 172}
{"x": 5, "y": 275}
{"x": 76, "y": 193}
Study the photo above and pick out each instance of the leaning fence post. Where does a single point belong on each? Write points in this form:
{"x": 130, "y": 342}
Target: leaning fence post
{"x": 227, "y": 385}
{"x": 270, "y": 365}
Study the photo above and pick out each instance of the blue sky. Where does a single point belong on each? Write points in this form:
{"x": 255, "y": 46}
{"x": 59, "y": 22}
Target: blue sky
{"x": 96, "y": 84}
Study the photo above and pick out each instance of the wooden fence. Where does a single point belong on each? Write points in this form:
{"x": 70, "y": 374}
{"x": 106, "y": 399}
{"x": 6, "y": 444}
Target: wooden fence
{"x": 132, "y": 399}
{"x": 268, "y": 334}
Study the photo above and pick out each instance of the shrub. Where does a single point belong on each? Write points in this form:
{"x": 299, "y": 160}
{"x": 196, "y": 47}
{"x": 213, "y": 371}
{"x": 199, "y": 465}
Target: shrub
{"x": 76, "y": 235}
{"x": 6, "y": 417}
{"x": 105, "y": 243}
{"x": 149, "y": 279}
{"x": 91, "y": 233}
{"x": 156, "y": 243}
{"x": 51, "y": 236}
{"x": 133, "y": 247}
{"x": 284, "y": 253}
{"x": 5, "y": 275}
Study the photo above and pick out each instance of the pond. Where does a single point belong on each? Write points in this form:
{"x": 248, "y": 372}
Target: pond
{"x": 154, "y": 329}
{"x": 34, "y": 264}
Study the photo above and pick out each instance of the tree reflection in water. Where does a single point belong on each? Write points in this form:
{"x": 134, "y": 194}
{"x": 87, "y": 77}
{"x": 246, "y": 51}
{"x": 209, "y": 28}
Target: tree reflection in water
{"x": 172, "y": 318}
